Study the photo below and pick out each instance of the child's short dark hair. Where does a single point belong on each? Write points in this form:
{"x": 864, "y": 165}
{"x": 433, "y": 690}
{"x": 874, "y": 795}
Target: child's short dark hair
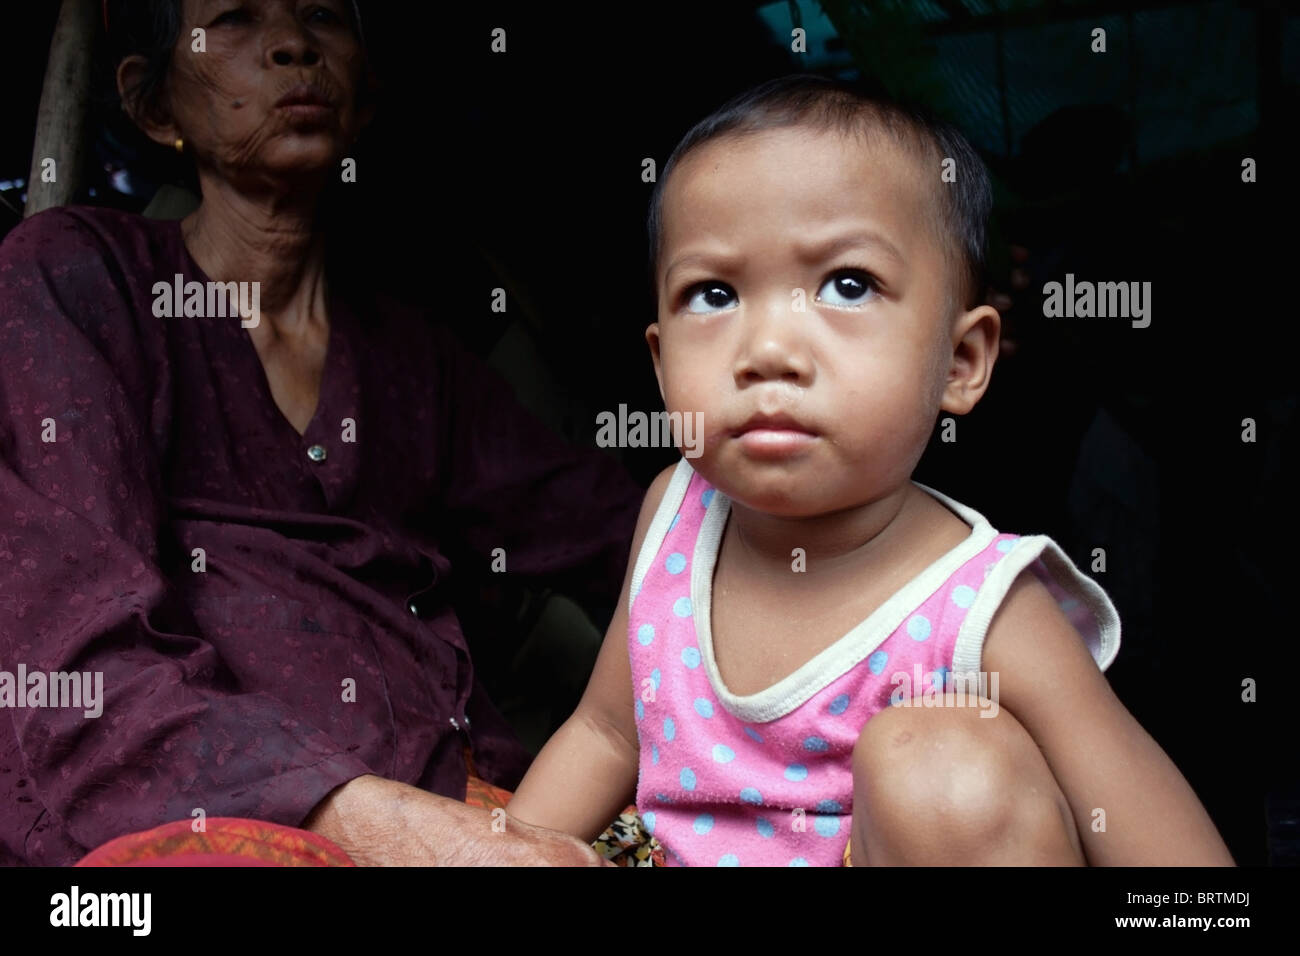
{"x": 805, "y": 99}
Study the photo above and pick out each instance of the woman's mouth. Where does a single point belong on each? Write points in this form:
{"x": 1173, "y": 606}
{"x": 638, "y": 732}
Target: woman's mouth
{"x": 306, "y": 103}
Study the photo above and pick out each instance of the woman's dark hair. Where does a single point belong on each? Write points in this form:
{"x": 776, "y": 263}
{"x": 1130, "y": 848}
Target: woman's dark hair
{"x": 145, "y": 28}
{"x": 148, "y": 29}
{"x": 823, "y": 104}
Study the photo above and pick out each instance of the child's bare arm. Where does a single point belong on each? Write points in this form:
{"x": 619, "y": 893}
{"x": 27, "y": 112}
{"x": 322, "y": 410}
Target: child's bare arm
{"x": 1099, "y": 754}
{"x": 586, "y": 773}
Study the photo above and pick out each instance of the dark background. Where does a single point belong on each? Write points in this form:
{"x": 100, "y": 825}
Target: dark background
{"x": 523, "y": 170}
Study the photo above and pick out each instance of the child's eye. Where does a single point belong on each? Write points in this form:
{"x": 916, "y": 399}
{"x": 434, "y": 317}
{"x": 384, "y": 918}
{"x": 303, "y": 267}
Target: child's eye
{"x": 848, "y": 287}
{"x": 710, "y": 297}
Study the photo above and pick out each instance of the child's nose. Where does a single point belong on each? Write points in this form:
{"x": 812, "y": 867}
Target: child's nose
{"x": 773, "y": 345}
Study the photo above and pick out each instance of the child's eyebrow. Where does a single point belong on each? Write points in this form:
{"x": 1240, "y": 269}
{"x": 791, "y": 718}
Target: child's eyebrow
{"x": 814, "y": 251}
{"x": 713, "y": 258}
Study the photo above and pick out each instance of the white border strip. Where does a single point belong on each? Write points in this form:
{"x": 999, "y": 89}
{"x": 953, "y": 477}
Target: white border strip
{"x": 669, "y": 505}
{"x": 848, "y": 651}
{"x": 968, "y": 651}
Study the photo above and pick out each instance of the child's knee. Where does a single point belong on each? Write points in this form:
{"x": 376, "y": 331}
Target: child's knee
{"x": 930, "y": 783}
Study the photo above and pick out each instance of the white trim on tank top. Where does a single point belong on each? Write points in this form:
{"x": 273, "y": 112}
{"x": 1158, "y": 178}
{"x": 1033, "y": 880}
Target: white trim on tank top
{"x": 834, "y": 661}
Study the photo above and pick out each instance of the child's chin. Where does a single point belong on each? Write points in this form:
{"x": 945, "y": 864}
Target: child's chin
{"x": 780, "y": 500}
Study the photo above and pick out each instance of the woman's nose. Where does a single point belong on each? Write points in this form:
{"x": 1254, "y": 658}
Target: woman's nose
{"x": 773, "y": 346}
{"x": 292, "y": 46}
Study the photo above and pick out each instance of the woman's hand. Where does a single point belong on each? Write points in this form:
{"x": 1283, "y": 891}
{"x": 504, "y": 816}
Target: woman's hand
{"x": 379, "y": 822}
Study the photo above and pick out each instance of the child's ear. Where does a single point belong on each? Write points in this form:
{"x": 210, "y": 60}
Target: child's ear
{"x": 974, "y": 341}
{"x": 652, "y": 339}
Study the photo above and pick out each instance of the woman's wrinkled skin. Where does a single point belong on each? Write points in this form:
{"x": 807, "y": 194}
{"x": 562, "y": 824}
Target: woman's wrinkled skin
{"x": 262, "y": 167}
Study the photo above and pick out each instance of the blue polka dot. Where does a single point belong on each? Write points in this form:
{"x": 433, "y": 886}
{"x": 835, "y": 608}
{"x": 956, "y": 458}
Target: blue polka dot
{"x": 656, "y": 678}
{"x": 675, "y": 563}
{"x": 703, "y": 707}
{"x": 765, "y": 828}
{"x": 876, "y": 662}
{"x": 703, "y": 823}
{"x": 673, "y": 524}
{"x": 640, "y": 710}
{"x": 751, "y": 795}
{"x": 663, "y": 798}
{"x": 654, "y": 754}
{"x": 1007, "y": 544}
{"x": 817, "y": 745}
{"x": 827, "y": 826}
{"x": 841, "y": 703}
{"x": 796, "y": 772}
{"x": 645, "y": 634}
{"x": 919, "y": 627}
{"x": 687, "y": 778}
{"x": 691, "y": 657}
{"x": 706, "y": 497}
{"x": 799, "y": 861}
{"x": 670, "y": 729}
{"x": 753, "y": 735}
{"x": 1069, "y": 604}
{"x": 829, "y": 806}
{"x": 940, "y": 678}
{"x": 682, "y": 607}
{"x": 729, "y": 859}
{"x": 648, "y": 819}
{"x": 723, "y": 754}
{"x": 963, "y": 595}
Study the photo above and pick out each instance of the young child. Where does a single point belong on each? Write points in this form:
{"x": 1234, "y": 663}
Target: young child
{"x": 819, "y": 282}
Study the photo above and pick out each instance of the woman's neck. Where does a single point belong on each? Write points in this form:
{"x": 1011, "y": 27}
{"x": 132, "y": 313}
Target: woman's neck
{"x": 268, "y": 240}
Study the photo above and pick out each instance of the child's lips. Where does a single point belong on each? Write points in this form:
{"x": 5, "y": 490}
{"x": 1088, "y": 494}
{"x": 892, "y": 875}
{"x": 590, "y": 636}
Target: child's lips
{"x": 775, "y": 442}
{"x": 774, "y": 436}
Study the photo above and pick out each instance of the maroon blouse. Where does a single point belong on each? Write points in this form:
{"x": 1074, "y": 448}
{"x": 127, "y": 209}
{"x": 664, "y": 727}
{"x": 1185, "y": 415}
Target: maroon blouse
{"x": 317, "y": 643}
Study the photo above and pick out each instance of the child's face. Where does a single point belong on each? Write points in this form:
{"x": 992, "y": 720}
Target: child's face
{"x": 810, "y": 412}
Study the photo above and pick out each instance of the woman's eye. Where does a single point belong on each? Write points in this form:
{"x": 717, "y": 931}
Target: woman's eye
{"x": 710, "y": 297}
{"x": 847, "y": 288}
{"x": 322, "y": 15}
{"x": 238, "y": 15}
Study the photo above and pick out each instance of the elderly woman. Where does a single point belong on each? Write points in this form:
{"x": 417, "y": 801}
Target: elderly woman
{"x": 241, "y": 522}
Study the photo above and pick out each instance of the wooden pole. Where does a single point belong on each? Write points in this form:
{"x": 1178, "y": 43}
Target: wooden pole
{"x": 60, "y": 124}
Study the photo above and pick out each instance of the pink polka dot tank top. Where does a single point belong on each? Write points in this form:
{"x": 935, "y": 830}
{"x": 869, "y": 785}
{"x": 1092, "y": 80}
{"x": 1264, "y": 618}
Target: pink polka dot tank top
{"x": 766, "y": 779}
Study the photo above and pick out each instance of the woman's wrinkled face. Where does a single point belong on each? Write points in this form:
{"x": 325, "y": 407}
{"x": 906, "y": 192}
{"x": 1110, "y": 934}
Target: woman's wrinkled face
{"x": 274, "y": 92}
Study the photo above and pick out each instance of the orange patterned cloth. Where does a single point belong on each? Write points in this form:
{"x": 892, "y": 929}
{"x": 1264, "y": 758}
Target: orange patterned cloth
{"x": 224, "y": 841}
{"x": 480, "y": 793}
{"x": 230, "y": 841}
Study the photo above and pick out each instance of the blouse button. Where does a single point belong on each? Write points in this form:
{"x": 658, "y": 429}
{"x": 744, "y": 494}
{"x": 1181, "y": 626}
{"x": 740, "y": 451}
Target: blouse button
{"x": 316, "y": 452}
{"x": 413, "y": 608}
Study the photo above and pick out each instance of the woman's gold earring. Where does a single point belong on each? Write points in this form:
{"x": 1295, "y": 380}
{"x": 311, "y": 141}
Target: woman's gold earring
{"x": 180, "y": 145}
